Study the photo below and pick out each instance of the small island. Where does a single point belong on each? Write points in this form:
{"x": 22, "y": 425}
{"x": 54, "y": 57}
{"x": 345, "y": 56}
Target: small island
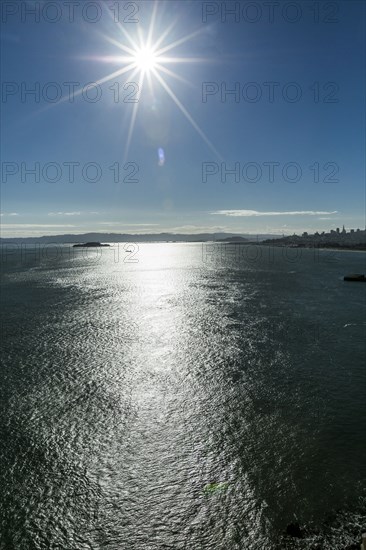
{"x": 90, "y": 244}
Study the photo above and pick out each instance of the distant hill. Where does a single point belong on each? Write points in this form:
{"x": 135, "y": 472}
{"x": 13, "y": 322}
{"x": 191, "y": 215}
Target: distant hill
{"x": 144, "y": 238}
{"x": 235, "y": 239}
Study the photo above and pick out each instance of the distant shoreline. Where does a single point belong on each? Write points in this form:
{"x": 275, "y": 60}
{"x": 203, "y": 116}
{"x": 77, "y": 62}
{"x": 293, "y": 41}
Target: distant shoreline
{"x": 337, "y": 248}
{"x": 211, "y": 242}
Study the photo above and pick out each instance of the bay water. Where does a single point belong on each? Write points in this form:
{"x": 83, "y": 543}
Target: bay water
{"x": 181, "y": 396}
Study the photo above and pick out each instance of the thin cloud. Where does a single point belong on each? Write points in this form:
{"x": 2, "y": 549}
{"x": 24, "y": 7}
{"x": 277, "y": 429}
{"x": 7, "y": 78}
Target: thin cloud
{"x": 116, "y": 224}
{"x": 26, "y": 225}
{"x": 64, "y": 213}
{"x": 192, "y": 229}
{"x": 254, "y": 213}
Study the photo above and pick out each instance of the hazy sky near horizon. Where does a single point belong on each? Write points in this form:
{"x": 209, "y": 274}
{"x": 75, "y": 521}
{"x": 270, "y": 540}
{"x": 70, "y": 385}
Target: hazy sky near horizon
{"x": 245, "y": 117}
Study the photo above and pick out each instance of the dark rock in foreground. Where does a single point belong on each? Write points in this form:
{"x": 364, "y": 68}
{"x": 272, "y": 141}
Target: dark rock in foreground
{"x": 358, "y": 277}
{"x": 293, "y": 530}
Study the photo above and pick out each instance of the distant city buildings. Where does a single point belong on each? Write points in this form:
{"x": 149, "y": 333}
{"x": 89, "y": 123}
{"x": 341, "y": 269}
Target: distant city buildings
{"x": 334, "y": 238}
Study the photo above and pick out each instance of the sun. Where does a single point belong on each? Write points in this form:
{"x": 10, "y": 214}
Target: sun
{"x": 145, "y": 59}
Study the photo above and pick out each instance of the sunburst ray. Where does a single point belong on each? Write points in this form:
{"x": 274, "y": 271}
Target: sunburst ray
{"x": 187, "y": 114}
{"x": 148, "y": 59}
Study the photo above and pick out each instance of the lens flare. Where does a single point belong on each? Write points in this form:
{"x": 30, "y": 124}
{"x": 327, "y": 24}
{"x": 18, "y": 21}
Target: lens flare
{"x": 161, "y": 156}
{"x": 145, "y": 58}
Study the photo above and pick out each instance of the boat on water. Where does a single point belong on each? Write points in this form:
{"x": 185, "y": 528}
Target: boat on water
{"x": 357, "y": 277}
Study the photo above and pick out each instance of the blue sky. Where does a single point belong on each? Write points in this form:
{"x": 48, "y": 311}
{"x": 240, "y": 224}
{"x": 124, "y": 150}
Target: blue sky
{"x": 293, "y": 132}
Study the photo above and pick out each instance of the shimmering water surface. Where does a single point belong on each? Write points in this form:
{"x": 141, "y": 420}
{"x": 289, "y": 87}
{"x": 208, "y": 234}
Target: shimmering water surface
{"x": 201, "y": 397}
